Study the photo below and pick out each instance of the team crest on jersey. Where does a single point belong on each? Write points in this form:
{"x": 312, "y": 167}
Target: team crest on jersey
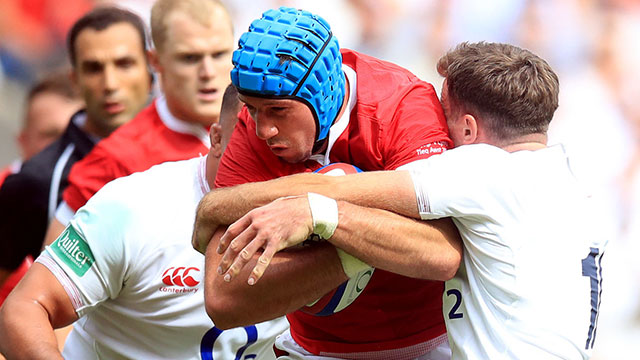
{"x": 181, "y": 279}
{"x": 74, "y": 251}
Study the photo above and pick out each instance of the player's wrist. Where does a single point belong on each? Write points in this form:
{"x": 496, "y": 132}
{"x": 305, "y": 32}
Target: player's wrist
{"x": 324, "y": 215}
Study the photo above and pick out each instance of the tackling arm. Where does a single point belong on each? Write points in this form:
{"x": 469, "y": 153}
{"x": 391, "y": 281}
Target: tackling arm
{"x": 429, "y": 250}
{"x": 389, "y": 190}
{"x": 421, "y": 249}
{"x": 381, "y": 238}
{"x": 27, "y": 318}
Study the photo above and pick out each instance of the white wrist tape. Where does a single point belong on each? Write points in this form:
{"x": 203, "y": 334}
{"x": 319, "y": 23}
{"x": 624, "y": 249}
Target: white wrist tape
{"x": 324, "y": 214}
{"x": 351, "y": 265}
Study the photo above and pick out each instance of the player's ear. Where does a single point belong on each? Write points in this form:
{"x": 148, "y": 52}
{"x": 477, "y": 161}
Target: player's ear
{"x": 470, "y": 129}
{"x": 215, "y": 134}
{"x": 216, "y": 150}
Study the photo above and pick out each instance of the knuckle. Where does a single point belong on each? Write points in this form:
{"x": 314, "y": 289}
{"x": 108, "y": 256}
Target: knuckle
{"x": 234, "y": 245}
{"x": 234, "y": 269}
{"x": 257, "y": 271}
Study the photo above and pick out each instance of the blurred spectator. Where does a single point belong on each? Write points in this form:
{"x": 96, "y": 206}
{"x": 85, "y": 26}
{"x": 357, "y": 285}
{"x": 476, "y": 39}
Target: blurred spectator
{"x": 49, "y": 106}
{"x": 617, "y": 59}
{"x": 32, "y": 34}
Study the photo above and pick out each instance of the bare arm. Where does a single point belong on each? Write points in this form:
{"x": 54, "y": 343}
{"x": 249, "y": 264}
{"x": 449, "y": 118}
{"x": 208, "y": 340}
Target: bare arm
{"x": 388, "y": 190}
{"x": 27, "y": 318}
{"x": 415, "y": 248}
{"x": 53, "y": 231}
{"x": 295, "y": 278}
{"x": 430, "y": 250}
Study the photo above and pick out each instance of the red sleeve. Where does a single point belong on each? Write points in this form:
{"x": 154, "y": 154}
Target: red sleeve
{"x": 89, "y": 175}
{"x": 418, "y": 129}
{"x": 249, "y": 159}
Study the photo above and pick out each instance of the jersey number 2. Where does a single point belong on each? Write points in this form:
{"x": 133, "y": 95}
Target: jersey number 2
{"x": 591, "y": 267}
{"x": 453, "y": 314}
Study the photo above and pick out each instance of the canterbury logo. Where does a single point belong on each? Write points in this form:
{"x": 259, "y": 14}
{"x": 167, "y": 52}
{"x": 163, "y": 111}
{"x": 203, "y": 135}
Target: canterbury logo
{"x": 180, "y": 276}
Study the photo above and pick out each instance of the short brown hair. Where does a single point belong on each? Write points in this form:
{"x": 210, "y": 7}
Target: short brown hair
{"x": 57, "y": 83}
{"x": 101, "y": 18}
{"x": 511, "y": 90}
{"x": 199, "y": 10}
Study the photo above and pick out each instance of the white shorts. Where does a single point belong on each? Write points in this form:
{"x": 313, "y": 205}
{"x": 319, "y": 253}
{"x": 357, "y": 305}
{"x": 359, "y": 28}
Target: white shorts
{"x": 439, "y": 350}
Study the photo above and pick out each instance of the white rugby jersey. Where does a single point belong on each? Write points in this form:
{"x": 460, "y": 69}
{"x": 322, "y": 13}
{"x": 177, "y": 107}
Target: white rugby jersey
{"x": 530, "y": 281}
{"x": 127, "y": 264}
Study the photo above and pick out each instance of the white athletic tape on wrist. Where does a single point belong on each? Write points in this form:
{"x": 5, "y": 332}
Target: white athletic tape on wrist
{"x": 351, "y": 265}
{"x": 324, "y": 214}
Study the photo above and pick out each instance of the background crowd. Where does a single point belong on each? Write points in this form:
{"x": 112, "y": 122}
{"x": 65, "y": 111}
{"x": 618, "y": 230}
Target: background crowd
{"x": 592, "y": 44}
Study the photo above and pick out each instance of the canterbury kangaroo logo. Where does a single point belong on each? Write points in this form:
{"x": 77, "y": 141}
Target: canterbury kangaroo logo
{"x": 180, "y": 276}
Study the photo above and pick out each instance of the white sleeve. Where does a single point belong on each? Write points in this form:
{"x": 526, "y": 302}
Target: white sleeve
{"x": 91, "y": 250}
{"x": 69, "y": 287}
{"x": 449, "y": 185}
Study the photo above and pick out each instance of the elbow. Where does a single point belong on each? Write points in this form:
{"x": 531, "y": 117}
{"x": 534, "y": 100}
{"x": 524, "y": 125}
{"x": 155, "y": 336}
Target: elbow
{"x": 450, "y": 266}
{"x": 449, "y": 255}
{"x": 221, "y": 311}
{"x": 441, "y": 268}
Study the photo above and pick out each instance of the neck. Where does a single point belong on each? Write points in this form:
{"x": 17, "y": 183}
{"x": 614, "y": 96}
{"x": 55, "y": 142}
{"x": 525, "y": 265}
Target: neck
{"x": 91, "y": 127}
{"x": 529, "y": 142}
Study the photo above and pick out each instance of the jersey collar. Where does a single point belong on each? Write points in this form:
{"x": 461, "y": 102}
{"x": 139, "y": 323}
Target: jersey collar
{"x": 178, "y": 125}
{"x": 341, "y": 124}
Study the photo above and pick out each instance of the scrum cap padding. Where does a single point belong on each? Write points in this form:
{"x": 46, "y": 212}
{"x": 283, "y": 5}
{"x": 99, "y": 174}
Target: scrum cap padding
{"x": 292, "y": 53}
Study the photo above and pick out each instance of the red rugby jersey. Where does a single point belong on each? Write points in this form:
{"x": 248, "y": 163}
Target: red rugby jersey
{"x": 154, "y": 136}
{"x": 395, "y": 119}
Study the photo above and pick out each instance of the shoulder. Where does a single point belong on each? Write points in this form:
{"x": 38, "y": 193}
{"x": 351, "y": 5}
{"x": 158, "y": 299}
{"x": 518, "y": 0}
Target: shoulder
{"x": 373, "y": 71}
{"x": 126, "y": 142}
{"x": 405, "y": 100}
{"x": 158, "y": 182}
{"x": 480, "y": 158}
{"x": 141, "y": 200}
{"x": 130, "y": 133}
{"x": 40, "y": 167}
{"x": 25, "y": 185}
{"x": 360, "y": 61}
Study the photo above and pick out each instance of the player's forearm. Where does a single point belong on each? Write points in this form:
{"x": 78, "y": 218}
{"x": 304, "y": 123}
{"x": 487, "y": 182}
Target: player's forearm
{"x": 26, "y": 331}
{"x": 422, "y": 249}
{"x": 294, "y": 279}
{"x": 389, "y": 190}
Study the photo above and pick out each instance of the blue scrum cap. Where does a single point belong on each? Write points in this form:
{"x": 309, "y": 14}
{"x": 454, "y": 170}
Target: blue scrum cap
{"x": 292, "y": 54}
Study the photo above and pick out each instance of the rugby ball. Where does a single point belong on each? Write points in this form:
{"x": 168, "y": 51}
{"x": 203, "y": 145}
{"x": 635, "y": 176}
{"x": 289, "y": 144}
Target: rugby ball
{"x": 345, "y": 294}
